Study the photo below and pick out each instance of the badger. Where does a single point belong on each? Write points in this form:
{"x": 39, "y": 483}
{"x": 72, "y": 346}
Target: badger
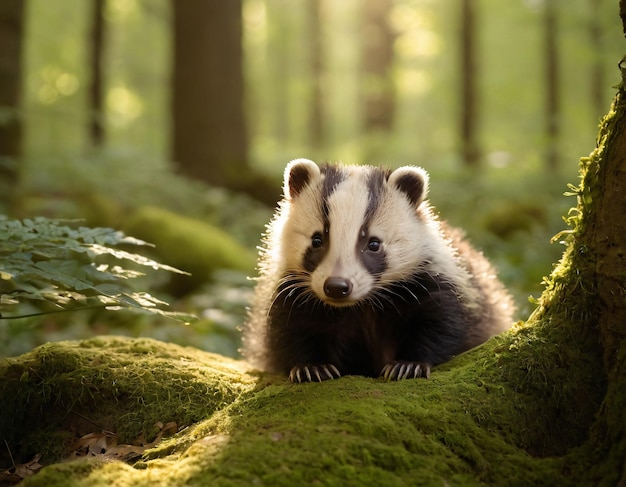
{"x": 357, "y": 276}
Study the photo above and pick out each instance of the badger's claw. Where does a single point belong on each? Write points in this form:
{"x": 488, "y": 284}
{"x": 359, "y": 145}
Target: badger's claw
{"x": 313, "y": 373}
{"x": 405, "y": 370}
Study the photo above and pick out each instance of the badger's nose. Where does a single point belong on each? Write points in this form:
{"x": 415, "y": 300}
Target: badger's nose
{"x": 337, "y": 287}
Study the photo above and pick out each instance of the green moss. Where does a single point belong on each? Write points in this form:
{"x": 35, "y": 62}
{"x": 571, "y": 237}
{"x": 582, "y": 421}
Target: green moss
{"x": 188, "y": 244}
{"x": 461, "y": 427}
{"x": 120, "y": 385}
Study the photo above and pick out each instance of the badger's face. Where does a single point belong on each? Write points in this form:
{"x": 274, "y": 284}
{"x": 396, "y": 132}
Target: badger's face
{"x": 351, "y": 230}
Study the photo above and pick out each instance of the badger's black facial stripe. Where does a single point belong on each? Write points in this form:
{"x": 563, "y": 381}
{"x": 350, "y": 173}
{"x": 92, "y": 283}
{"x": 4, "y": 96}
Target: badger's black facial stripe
{"x": 333, "y": 175}
{"x": 375, "y": 185}
{"x": 374, "y": 262}
{"x": 314, "y": 254}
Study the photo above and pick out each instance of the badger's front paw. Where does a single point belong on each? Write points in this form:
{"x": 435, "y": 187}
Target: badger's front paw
{"x": 405, "y": 370}
{"x": 314, "y": 373}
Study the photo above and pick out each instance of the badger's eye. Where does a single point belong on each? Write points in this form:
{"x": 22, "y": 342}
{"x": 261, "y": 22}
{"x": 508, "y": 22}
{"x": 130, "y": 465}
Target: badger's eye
{"x": 316, "y": 240}
{"x": 374, "y": 244}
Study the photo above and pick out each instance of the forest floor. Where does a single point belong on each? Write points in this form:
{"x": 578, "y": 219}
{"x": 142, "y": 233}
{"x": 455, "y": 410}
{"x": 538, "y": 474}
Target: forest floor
{"x": 120, "y": 411}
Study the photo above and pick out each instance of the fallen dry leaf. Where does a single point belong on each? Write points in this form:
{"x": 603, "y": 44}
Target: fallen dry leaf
{"x": 20, "y": 471}
{"x": 27, "y": 469}
{"x": 94, "y": 444}
{"x": 105, "y": 444}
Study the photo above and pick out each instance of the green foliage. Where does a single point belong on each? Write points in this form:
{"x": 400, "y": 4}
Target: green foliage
{"x": 109, "y": 188}
{"x": 61, "y": 268}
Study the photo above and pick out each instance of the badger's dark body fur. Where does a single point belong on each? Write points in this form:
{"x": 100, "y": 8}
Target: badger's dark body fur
{"x": 358, "y": 277}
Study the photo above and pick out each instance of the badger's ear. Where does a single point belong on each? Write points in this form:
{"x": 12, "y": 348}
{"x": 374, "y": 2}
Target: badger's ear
{"x": 412, "y": 181}
{"x": 299, "y": 173}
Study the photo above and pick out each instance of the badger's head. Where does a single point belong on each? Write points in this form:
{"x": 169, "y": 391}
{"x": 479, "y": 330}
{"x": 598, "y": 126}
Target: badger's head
{"x": 351, "y": 230}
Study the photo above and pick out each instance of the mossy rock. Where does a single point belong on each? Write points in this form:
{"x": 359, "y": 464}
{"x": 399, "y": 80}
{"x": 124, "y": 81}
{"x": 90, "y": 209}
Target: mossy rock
{"x": 119, "y": 384}
{"x": 507, "y": 220}
{"x": 190, "y": 245}
{"x": 240, "y": 428}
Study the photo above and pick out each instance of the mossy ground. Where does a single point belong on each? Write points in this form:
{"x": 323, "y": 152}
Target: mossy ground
{"x": 461, "y": 427}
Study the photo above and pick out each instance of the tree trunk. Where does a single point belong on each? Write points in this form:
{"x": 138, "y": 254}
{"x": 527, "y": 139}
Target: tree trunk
{"x": 586, "y": 297}
{"x": 11, "y": 39}
{"x": 552, "y": 103}
{"x": 605, "y": 184}
{"x": 607, "y": 236}
{"x": 378, "y": 88}
{"x": 209, "y": 131}
{"x": 470, "y": 150}
{"x": 280, "y": 69}
{"x": 316, "y": 124}
{"x": 96, "y": 62}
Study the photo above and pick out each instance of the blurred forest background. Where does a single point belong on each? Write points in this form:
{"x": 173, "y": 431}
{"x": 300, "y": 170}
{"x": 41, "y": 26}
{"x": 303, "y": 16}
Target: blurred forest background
{"x": 173, "y": 120}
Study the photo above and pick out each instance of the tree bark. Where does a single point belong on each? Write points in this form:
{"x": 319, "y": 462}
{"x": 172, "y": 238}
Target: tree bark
{"x": 210, "y": 140}
{"x": 11, "y": 40}
{"x": 607, "y": 236}
{"x": 470, "y": 150}
{"x": 586, "y": 299}
{"x": 605, "y": 181}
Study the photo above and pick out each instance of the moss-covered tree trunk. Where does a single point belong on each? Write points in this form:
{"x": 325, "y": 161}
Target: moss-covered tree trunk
{"x": 606, "y": 236}
{"x": 586, "y": 297}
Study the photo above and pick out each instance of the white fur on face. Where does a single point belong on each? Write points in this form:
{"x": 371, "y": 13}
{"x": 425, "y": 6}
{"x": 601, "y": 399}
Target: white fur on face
{"x": 346, "y": 211}
{"x": 411, "y": 242}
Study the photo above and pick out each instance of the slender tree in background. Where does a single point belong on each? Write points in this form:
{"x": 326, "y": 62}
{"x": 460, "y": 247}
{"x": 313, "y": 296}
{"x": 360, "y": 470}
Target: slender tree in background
{"x": 316, "y": 120}
{"x": 377, "y": 63}
{"x": 278, "y": 50}
{"x": 209, "y": 138}
{"x": 11, "y": 36}
{"x": 598, "y": 83}
{"x": 552, "y": 104}
{"x": 470, "y": 150}
{"x": 96, "y": 62}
